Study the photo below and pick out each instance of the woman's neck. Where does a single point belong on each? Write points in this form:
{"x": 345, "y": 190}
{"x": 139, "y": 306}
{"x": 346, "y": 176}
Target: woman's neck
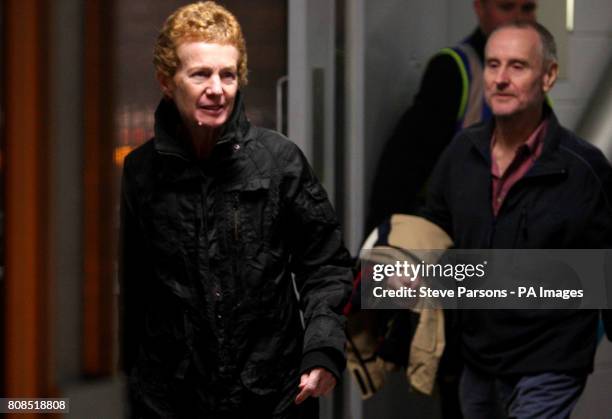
{"x": 203, "y": 140}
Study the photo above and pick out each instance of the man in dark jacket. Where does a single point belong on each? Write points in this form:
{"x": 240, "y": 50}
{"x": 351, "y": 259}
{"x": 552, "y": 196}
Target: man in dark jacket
{"x": 523, "y": 181}
{"x": 450, "y": 98}
{"x": 221, "y": 223}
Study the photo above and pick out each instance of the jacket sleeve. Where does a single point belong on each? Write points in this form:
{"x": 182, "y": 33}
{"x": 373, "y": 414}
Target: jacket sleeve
{"x": 320, "y": 262}
{"x": 436, "y": 207}
{"x": 597, "y": 234}
{"x": 131, "y": 272}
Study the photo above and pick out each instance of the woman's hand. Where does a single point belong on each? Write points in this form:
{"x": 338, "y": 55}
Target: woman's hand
{"x": 317, "y": 382}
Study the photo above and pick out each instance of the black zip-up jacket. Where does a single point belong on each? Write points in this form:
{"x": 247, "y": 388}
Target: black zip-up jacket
{"x": 561, "y": 202}
{"x": 210, "y": 319}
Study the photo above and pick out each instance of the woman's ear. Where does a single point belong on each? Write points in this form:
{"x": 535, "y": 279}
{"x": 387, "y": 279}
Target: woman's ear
{"x": 166, "y": 84}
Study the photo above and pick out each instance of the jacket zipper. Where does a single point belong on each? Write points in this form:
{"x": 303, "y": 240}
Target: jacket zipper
{"x": 200, "y": 234}
{"x": 236, "y": 217}
{"x": 203, "y": 209}
{"x": 521, "y": 230}
{"x": 522, "y": 225}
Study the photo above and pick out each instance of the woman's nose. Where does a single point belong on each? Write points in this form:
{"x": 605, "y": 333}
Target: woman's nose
{"x": 214, "y": 86}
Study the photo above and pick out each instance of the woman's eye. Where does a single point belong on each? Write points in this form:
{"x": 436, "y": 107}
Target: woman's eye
{"x": 200, "y": 74}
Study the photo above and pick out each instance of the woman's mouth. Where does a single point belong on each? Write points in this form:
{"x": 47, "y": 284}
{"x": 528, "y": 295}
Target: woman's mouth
{"x": 212, "y": 109}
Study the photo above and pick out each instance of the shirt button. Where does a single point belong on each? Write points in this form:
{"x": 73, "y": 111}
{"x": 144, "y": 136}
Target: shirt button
{"x": 219, "y": 316}
{"x": 236, "y": 147}
{"x": 218, "y": 294}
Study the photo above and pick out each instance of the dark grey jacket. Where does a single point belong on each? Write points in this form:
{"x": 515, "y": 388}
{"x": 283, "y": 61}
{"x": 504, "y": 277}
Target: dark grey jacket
{"x": 562, "y": 202}
{"x": 208, "y": 253}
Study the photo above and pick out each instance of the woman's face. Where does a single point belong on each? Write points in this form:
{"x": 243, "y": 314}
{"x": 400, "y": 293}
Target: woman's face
{"x": 205, "y": 84}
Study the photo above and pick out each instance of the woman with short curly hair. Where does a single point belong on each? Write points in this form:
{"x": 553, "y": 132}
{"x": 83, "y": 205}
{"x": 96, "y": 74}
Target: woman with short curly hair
{"x": 219, "y": 218}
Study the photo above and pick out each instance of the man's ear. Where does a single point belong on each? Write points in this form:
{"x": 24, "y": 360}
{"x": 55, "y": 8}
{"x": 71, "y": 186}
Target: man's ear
{"x": 550, "y": 76}
{"x": 166, "y": 84}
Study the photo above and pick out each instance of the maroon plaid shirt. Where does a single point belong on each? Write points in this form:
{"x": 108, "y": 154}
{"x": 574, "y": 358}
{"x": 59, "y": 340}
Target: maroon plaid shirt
{"x": 526, "y": 155}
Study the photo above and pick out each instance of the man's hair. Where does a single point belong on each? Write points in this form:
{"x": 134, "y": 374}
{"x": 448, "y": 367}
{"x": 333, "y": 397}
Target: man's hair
{"x": 202, "y": 21}
{"x": 547, "y": 40}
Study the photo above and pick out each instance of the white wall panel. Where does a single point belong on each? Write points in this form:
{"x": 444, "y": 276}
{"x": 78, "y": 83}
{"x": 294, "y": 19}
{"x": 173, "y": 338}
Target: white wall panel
{"x": 593, "y": 16}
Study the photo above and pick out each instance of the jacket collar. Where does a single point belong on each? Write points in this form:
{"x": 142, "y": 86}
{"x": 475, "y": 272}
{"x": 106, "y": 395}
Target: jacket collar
{"x": 177, "y": 159}
{"x": 550, "y": 161}
{"x": 168, "y": 121}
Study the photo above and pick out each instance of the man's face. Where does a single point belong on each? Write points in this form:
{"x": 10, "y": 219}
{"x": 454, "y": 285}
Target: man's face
{"x": 515, "y": 75}
{"x": 494, "y": 13}
{"x": 205, "y": 84}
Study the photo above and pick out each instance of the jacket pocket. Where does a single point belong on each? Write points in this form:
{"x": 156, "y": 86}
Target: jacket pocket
{"x": 542, "y": 229}
{"x": 250, "y": 214}
{"x": 318, "y": 204}
{"x": 269, "y": 367}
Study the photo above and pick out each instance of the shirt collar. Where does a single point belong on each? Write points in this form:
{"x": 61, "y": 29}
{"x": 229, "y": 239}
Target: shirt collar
{"x": 537, "y": 137}
{"x": 534, "y": 141}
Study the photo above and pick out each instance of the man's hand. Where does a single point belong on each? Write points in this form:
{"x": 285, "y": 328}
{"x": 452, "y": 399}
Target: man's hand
{"x": 316, "y": 382}
{"x": 397, "y": 282}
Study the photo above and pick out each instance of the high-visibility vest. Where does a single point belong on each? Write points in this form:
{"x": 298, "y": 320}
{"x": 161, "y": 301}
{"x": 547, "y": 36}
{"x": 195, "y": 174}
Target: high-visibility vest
{"x": 472, "y": 106}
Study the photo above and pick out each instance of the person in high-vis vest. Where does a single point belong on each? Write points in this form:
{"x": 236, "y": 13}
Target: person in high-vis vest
{"x": 450, "y": 98}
